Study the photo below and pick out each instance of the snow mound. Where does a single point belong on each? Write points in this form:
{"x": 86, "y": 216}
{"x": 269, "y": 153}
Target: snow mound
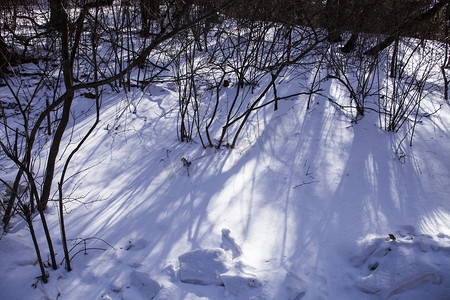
{"x": 400, "y": 263}
{"x": 214, "y": 267}
{"x": 136, "y": 246}
{"x": 238, "y": 284}
{"x": 144, "y": 287}
{"x": 203, "y": 266}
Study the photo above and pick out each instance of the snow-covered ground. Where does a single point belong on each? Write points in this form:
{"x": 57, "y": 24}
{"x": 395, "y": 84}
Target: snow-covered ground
{"x": 308, "y": 206}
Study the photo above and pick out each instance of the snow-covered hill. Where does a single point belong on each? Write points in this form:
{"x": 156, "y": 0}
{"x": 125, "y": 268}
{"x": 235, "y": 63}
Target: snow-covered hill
{"x": 308, "y": 206}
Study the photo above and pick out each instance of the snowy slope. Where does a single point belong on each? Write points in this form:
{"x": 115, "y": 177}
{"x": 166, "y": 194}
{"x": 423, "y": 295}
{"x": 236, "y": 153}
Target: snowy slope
{"x": 303, "y": 208}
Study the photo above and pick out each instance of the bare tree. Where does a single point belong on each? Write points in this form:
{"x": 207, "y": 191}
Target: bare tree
{"x": 243, "y": 55}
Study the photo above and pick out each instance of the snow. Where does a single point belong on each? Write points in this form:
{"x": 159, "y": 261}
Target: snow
{"x": 304, "y": 209}
{"x": 203, "y": 266}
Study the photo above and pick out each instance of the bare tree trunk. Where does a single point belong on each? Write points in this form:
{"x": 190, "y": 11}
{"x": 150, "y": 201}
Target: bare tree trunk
{"x": 35, "y": 243}
{"x": 333, "y": 20}
{"x": 68, "y": 81}
{"x": 446, "y": 64}
{"x": 58, "y": 15}
{"x": 393, "y": 72}
{"x": 4, "y": 55}
{"x": 12, "y": 199}
{"x": 275, "y": 94}
{"x": 351, "y": 43}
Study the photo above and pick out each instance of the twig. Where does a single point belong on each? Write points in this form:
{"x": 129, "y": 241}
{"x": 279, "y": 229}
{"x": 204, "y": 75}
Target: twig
{"x": 305, "y": 183}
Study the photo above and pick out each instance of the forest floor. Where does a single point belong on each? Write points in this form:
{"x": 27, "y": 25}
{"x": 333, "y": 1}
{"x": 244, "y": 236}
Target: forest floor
{"x": 308, "y": 205}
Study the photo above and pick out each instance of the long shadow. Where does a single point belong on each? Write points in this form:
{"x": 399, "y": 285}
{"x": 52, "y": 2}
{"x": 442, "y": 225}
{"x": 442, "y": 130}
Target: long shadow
{"x": 373, "y": 194}
{"x": 330, "y": 184}
{"x": 310, "y": 182}
{"x": 154, "y": 204}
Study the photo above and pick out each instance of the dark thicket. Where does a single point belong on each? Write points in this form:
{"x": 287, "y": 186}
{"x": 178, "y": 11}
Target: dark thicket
{"x": 417, "y": 18}
{"x": 369, "y": 16}
{"x": 149, "y": 11}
